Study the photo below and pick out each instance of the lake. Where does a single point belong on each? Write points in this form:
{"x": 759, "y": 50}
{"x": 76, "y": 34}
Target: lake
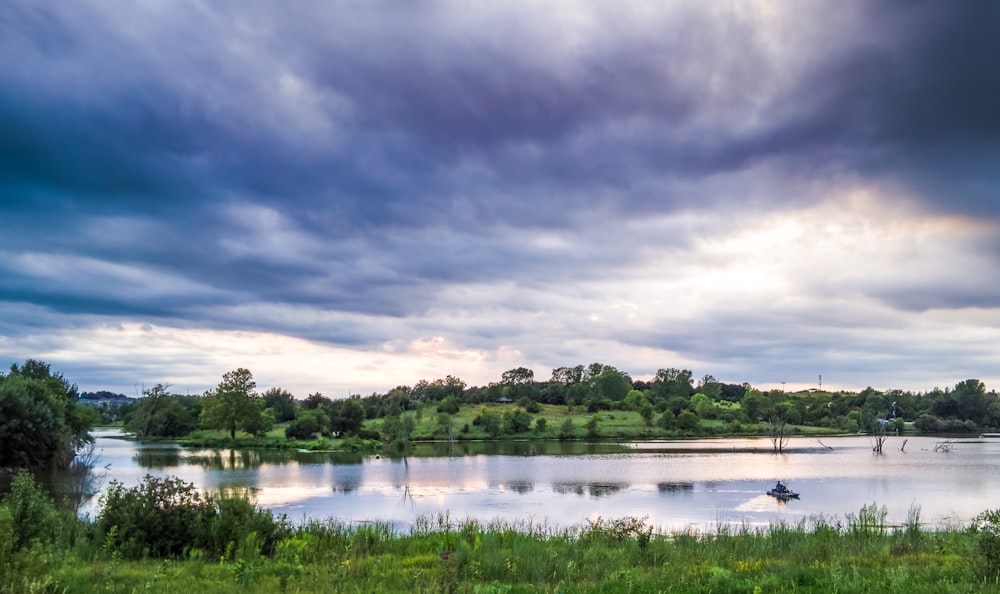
{"x": 675, "y": 485}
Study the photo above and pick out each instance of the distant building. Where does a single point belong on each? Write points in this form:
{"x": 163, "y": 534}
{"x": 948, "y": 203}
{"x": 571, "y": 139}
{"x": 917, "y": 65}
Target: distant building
{"x": 104, "y": 399}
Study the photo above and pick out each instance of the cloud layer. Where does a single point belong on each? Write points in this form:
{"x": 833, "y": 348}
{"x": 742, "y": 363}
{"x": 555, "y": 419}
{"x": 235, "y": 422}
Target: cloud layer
{"x": 344, "y": 197}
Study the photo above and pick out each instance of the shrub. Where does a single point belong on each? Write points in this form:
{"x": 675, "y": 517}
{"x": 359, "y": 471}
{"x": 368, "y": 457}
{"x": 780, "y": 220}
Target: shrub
{"x": 33, "y": 517}
{"x": 308, "y": 424}
{"x": 163, "y": 517}
{"x": 986, "y": 527}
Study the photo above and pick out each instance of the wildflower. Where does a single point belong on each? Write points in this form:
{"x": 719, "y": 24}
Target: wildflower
{"x": 346, "y": 562}
{"x": 445, "y": 555}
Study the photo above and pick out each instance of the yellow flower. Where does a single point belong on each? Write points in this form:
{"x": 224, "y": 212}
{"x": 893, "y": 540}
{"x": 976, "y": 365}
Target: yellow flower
{"x": 345, "y": 562}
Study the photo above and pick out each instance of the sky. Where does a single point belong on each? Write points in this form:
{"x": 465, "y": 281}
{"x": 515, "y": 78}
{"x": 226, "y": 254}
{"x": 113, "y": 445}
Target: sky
{"x": 348, "y": 196}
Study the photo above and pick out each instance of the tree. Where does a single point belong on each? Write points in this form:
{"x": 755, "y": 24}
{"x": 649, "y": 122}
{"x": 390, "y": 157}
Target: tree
{"x": 347, "y": 416}
{"x": 40, "y": 424}
{"x": 161, "y": 414}
{"x": 671, "y": 383}
{"x": 234, "y": 404}
{"x": 518, "y": 375}
{"x": 281, "y": 402}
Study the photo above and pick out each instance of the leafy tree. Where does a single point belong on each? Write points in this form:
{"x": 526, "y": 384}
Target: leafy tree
{"x": 529, "y": 405}
{"x": 519, "y": 375}
{"x": 450, "y": 405}
{"x": 646, "y": 411}
{"x": 308, "y": 424}
{"x": 314, "y": 401}
{"x": 592, "y": 425}
{"x": 234, "y": 404}
{"x": 347, "y": 416}
{"x": 611, "y": 384}
{"x": 970, "y": 400}
{"x": 281, "y": 402}
{"x": 635, "y": 400}
{"x": 671, "y": 383}
{"x": 566, "y": 429}
{"x": 516, "y": 421}
{"x": 703, "y": 406}
{"x": 40, "y": 424}
{"x": 161, "y": 414}
{"x": 687, "y": 421}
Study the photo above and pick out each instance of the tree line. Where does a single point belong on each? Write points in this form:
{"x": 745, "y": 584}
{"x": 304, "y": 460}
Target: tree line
{"x": 672, "y": 400}
{"x": 42, "y": 425}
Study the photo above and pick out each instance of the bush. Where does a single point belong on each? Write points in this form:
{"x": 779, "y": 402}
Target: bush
{"x": 33, "y": 517}
{"x": 308, "y": 424}
{"x": 163, "y": 517}
{"x": 986, "y": 527}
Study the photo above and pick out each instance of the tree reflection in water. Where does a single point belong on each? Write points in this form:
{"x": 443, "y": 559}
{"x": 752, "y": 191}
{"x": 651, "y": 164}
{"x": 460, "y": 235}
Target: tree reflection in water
{"x": 594, "y": 489}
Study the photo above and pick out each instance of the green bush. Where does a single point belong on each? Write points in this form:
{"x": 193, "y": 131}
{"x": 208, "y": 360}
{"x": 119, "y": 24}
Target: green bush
{"x": 163, "y": 517}
{"x": 33, "y": 517}
{"x": 986, "y": 527}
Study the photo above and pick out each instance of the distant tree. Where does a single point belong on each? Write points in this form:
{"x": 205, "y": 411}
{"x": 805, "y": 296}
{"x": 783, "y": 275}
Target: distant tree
{"x": 450, "y": 405}
{"x": 566, "y": 429}
{"x": 646, "y": 411}
{"x": 234, "y": 404}
{"x": 314, "y": 401}
{"x": 709, "y": 386}
{"x": 516, "y": 421}
{"x": 162, "y": 414}
{"x": 519, "y": 375}
{"x": 591, "y": 425}
{"x": 347, "y": 416}
{"x": 970, "y": 400}
{"x": 635, "y": 400}
{"x": 687, "y": 421}
{"x": 281, "y": 402}
{"x": 611, "y": 384}
{"x": 308, "y": 424}
{"x": 703, "y": 406}
{"x": 670, "y": 383}
{"x": 528, "y": 404}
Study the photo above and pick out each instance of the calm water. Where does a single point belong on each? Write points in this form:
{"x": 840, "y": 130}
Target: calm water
{"x": 676, "y": 485}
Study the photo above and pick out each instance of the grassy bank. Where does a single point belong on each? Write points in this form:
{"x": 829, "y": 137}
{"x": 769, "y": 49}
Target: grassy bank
{"x": 550, "y": 423}
{"x": 165, "y": 537}
{"x": 606, "y": 556}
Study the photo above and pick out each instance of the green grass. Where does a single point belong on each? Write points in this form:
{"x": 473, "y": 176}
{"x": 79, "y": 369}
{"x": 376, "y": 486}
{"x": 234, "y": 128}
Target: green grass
{"x": 622, "y": 555}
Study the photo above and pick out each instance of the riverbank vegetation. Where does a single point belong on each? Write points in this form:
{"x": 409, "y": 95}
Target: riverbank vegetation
{"x": 582, "y": 402}
{"x": 164, "y": 536}
{"x": 43, "y": 419}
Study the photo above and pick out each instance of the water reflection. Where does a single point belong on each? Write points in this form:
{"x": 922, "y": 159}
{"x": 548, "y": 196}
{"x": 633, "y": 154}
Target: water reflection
{"x": 674, "y": 484}
{"x": 594, "y": 489}
{"x": 674, "y": 487}
{"x": 521, "y": 487}
{"x": 158, "y": 457}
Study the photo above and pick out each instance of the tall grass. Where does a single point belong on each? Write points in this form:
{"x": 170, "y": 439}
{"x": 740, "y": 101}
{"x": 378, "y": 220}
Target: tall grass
{"x": 861, "y": 553}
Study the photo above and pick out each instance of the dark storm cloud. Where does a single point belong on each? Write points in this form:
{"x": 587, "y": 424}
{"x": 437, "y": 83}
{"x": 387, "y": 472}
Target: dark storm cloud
{"x": 403, "y": 151}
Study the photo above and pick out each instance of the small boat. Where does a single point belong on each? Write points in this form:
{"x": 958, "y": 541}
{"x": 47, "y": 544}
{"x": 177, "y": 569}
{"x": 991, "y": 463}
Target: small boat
{"x": 782, "y": 492}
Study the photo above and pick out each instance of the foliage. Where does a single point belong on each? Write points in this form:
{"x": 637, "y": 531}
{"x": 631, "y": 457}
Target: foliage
{"x": 161, "y": 414}
{"x": 308, "y": 424}
{"x": 163, "y": 517}
{"x": 235, "y": 404}
{"x": 33, "y": 516}
{"x": 282, "y": 403}
{"x": 986, "y": 528}
{"x": 604, "y": 555}
{"x": 40, "y": 424}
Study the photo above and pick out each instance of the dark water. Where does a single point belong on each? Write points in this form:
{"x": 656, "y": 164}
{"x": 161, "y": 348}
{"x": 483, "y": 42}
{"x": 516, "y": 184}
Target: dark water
{"x": 675, "y": 485}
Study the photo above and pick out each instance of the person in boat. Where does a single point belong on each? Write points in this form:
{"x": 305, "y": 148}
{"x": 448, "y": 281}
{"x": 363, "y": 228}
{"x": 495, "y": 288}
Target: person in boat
{"x": 779, "y": 488}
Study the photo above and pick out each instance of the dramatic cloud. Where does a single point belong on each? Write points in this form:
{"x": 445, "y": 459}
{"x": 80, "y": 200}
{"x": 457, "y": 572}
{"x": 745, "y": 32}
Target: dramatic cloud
{"x": 345, "y": 197}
